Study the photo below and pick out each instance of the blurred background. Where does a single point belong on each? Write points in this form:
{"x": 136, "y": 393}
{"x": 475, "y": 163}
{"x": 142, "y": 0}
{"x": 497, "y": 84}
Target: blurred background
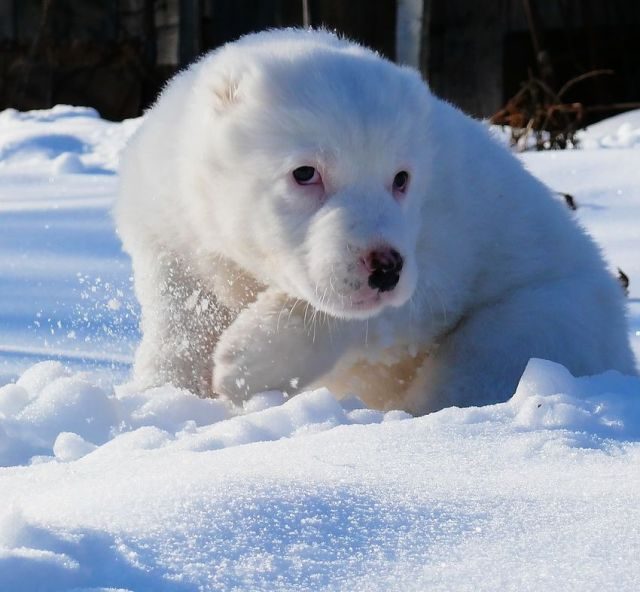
{"x": 551, "y": 64}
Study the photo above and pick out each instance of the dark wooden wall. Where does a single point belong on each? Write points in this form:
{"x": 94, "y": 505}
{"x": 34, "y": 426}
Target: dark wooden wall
{"x": 115, "y": 55}
{"x": 90, "y": 52}
{"x": 481, "y": 52}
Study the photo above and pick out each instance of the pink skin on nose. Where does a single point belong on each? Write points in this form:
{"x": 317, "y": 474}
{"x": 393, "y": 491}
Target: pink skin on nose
{"x": 385, "y": 259}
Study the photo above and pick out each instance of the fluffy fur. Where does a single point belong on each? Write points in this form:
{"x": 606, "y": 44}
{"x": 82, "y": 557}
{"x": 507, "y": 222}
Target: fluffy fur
{"x": 249, "y": 281}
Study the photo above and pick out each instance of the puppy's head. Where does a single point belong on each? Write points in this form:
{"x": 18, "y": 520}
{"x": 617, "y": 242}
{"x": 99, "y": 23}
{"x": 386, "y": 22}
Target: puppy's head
{"x": 315, "y": 156}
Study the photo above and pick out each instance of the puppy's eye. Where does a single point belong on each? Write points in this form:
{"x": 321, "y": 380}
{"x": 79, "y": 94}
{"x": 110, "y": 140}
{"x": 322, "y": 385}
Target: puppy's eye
{"x": 306, "y": 175}
{"x": 401, "y": 181}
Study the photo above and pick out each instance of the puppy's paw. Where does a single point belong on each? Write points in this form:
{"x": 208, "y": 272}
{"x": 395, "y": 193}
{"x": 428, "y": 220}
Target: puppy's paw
{"x": 241, "y": 369}
{"x": 270, "y": 347}
{"x": 248, "y": 357}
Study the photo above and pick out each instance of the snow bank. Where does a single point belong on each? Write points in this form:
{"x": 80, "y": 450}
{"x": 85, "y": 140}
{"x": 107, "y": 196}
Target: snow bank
{"x": 548, "y": 397}
{"x": 50, "y": 414}
{"x": 61, "y": 140}
{"x": 621, "y": 131}
{"x": 65, "y": 280}
{"x": 161, "y": 490}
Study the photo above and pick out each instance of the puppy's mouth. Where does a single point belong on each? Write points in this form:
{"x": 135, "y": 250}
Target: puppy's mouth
{"x": 367, "y": 303}
{"x": 363, "y": 304}
{"x": 373, "y": 302}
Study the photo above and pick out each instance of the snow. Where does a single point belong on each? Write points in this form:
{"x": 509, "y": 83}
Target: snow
{"x": 62, "y": 269}
{"x": 620, "y": 131}
{"x": 107, "y": 488}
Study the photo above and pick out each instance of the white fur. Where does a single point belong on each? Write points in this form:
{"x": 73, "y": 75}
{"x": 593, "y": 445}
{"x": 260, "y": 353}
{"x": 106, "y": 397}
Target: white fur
{"x": 249, "y": 282}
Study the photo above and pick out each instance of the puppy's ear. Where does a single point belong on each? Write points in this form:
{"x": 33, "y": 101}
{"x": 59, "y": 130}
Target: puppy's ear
{"x": 226, "y": 90}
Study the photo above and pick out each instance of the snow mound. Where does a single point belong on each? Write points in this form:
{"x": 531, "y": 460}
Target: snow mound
{"x": 607, "y": 405}
{"x": 61, "y": 140}
{"x": 52, "y": 414}
{"x": 548, "y": 397}
{"x": 621, "y": 131}
{"x": 161, "y": 490}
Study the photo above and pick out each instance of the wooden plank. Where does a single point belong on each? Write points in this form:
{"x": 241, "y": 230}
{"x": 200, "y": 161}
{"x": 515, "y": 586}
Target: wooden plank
{"x": 167, "y": 23}
{"x": 7, "y": 19}
{"x": 190, "y": 43}
{"x": 27, "y": 20}
{"x": 466, "y": 54}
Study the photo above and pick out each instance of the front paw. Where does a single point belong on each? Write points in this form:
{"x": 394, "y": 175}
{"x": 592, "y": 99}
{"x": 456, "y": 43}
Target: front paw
{"x": 269, "y": 347}
{"x": 233, "y": 364}
{"x": 247, "y": 359}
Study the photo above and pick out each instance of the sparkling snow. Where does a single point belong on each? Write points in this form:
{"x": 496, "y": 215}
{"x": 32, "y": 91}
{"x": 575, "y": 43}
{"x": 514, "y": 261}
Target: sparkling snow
{"x": 104, "y": 487}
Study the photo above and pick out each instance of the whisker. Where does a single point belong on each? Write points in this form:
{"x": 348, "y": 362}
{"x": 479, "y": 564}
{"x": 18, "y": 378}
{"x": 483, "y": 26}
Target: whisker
{"x": 282, "y": 308}
{"x": 298, "y": 300}
{"x": 304, "y": 318}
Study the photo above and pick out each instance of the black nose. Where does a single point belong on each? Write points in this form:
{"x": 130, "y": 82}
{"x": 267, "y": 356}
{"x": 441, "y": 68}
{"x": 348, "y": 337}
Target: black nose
{"x": 385, "y": 267}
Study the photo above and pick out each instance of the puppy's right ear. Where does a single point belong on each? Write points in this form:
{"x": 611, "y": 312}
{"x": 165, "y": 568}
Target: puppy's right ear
{"x": 226, "y": 90}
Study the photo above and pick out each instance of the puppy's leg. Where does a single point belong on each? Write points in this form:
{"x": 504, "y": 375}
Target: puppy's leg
{"x": 181, "y": 321}
{"x": 274, "y": 344}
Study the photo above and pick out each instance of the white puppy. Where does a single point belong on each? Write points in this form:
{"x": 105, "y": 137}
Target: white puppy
{"x": 301, "y": 211}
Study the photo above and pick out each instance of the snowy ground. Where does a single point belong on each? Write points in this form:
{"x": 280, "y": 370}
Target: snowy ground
{"x": 104, "y": 488}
